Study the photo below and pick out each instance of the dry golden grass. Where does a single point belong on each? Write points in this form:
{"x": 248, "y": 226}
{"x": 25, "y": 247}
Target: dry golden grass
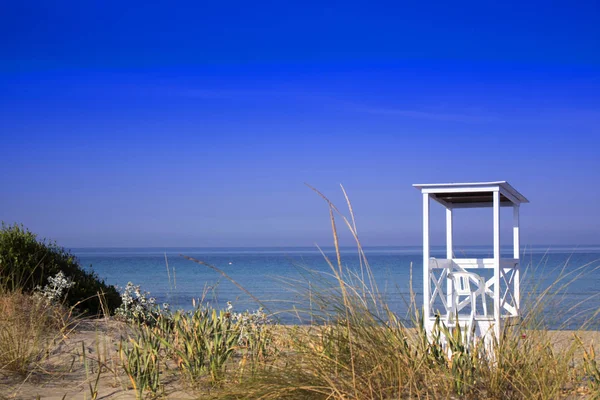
{"x": 27, "y": 328}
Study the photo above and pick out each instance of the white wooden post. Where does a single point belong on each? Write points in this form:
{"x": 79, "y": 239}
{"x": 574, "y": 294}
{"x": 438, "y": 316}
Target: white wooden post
{"x": 449, "y": 253}
{"x": 496, "y": 211}
{"x": 516, "y": 251}
{"x": 426, "y": 298}
{"x": 449, "y": 250}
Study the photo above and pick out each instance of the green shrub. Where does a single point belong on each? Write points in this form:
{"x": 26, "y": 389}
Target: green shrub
{"x": 27, "y": 262}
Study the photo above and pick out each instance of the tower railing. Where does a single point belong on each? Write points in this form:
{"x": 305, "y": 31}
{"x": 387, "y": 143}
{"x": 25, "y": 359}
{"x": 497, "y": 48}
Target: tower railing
{"x": 462, "y": 291}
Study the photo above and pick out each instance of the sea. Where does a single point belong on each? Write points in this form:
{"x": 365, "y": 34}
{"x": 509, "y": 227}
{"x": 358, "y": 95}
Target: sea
{"x": 280, "y": 279}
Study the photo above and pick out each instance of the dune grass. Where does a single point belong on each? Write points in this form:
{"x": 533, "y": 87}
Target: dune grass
{"x": 29, "y": 327}
{"x": 24, "y": 327}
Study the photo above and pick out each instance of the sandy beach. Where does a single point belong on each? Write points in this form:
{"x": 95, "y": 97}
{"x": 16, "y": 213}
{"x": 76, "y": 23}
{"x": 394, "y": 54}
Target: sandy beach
{"x": 64, "y": 374}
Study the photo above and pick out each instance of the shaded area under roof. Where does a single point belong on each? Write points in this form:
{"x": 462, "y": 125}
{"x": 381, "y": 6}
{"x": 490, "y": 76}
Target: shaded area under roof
{"x": 478, "y": 194}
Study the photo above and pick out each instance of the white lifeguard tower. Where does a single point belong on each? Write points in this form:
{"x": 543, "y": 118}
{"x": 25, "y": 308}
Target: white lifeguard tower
{"x": 459, "y": 290}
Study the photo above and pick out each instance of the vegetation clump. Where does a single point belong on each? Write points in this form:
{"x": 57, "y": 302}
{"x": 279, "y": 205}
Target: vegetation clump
{"x": 203, "y": 347}
{"x": 27, "y": 262}
{"x": 138, "y": 306}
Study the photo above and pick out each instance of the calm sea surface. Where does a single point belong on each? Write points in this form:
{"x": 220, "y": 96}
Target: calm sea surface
{"x": 275, "y": 275}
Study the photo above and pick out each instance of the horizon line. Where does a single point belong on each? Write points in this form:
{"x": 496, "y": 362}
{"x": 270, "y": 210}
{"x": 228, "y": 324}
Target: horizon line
{"x": 323, "y": 247}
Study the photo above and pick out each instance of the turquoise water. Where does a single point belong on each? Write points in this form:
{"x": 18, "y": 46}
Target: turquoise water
{"x": 266, "y": 273}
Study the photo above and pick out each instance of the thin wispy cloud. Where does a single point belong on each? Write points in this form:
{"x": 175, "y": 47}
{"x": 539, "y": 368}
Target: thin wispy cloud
{"x": 341, "y": 103}
{"x": 430, "y": 115}
{"x": 227, "y": 93}
{"x": 242, "y": 93}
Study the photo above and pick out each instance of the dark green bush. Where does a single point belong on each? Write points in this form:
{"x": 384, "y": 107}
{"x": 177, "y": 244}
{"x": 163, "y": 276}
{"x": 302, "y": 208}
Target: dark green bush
{"x": 27, "y": 262}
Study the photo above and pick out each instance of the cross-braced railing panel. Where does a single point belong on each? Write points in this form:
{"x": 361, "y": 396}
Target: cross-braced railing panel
{"x": 438, "y": 285}
{"x": 508, "y": 289}
{"x": 478, "y": 274}
{"x": 451, "y": 290}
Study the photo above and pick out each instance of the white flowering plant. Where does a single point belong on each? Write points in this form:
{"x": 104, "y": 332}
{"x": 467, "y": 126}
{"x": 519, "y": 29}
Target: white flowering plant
{"x": 138, "y": 306}
{"x": 255, "y": 331}
{"x": 250, "y": 322}
{"x": 55, "y": 290}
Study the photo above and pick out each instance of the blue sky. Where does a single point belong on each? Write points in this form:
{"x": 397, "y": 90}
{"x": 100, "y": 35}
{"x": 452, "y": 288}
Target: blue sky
{"x": 197, "y": 124}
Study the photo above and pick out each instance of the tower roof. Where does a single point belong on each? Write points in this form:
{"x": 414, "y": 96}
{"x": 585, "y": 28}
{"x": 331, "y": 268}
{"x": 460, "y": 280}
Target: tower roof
{"x": 472, "y": 194}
